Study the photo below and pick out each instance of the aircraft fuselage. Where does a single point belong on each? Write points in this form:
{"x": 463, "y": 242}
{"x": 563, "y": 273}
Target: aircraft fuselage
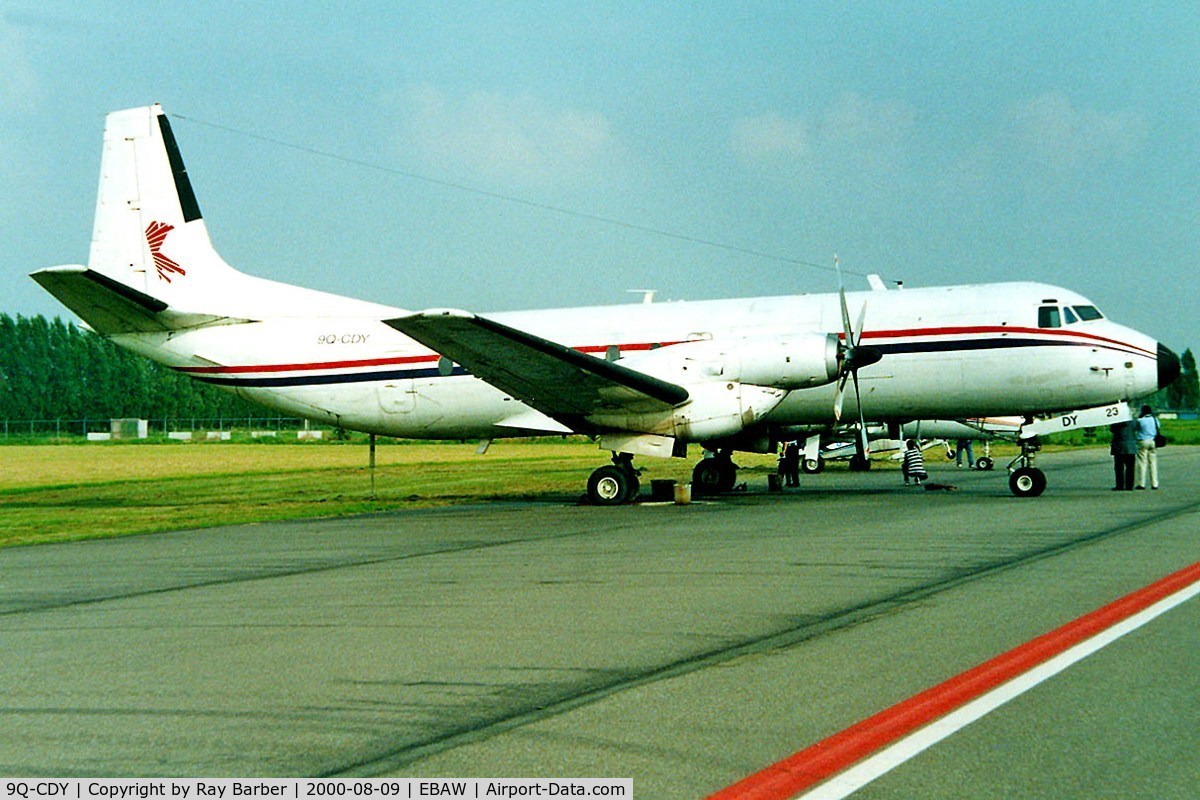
{"x": 948, "y": 352}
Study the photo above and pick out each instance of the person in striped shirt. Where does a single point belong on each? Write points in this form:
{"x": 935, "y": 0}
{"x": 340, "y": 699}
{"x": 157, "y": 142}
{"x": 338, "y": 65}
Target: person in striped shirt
{"x": 913, "y": 465}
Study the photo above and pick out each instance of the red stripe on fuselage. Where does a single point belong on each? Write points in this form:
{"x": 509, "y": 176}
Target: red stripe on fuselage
{"x": 1002, "y": 329}
{"x": 376, "y": 362}
{"x": 316, "y": 365}
{"x": 1068, "y": 337}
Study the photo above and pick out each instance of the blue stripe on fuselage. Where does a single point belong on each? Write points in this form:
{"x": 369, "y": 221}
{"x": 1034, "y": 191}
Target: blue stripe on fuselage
{"x": 944, "y": 346}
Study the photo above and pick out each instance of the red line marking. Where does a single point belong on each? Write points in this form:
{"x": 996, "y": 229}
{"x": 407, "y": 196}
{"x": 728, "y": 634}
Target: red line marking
{"x": 1074, "y": 336}
{"x": 1002, "y": 329}
{"x": 368, "y": 362}
{"x": 801, "y": 770}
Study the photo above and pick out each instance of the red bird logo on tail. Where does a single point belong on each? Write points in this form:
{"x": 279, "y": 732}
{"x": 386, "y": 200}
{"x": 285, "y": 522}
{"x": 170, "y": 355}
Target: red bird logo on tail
{"x": 156, "y": 234}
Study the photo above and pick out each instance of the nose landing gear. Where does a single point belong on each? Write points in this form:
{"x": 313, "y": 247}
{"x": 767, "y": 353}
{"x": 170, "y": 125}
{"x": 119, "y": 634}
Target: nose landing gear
{"x": 1026, "y": 480}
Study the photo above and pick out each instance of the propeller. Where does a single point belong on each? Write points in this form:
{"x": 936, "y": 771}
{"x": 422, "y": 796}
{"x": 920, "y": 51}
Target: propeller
{"x": 852, "y": 357}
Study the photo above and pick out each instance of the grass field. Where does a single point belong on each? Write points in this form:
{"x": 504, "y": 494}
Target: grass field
{"x": 64, "y": 492}
{"x": 54, "y": 493}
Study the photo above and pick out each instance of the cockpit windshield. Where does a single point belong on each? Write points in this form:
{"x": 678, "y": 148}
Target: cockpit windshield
{"x": 1055, "y": 317}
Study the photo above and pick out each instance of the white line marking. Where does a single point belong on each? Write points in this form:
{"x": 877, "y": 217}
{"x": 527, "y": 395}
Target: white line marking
{"x": 896, "y": 754}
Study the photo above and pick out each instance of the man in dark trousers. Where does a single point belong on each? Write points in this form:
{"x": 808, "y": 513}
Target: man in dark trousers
{"x": 1124, "y": 452}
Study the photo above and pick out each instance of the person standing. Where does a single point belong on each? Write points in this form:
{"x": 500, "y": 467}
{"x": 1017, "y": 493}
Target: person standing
{"x": 789, "y": 463}
{"x": 1147, "y": 456}
{"x": 1124, "y": 450}
{"x": 964, "y": 446}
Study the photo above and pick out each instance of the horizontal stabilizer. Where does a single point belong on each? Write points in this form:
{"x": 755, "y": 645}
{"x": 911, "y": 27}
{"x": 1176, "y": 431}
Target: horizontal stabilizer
{"x": 111, "y": 307}
{"x": 553, "y": 378}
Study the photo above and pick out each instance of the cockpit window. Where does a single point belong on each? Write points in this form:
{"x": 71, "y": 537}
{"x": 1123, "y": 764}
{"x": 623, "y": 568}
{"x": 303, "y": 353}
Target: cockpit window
{"x": 1048, "y": 317}
{"x": 1069, "y": 316}
{"x": 1088, "y": 313}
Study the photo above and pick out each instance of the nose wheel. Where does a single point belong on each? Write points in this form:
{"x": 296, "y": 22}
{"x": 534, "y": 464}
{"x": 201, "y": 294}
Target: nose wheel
{"x": 1024, "y": 479}
{"x": 1027, "y": 482}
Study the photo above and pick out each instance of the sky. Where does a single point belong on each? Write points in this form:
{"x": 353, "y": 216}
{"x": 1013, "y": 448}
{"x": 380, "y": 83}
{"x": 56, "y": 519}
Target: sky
{"x": 508, "y": 155}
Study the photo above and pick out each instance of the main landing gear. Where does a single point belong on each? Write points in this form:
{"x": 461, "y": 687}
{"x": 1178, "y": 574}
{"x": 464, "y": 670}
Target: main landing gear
{"x": 615, "y": 483}
{"x": 860, "y": 463}
{"x": 1026, "y": 480}
{"x": 714, "y": 475}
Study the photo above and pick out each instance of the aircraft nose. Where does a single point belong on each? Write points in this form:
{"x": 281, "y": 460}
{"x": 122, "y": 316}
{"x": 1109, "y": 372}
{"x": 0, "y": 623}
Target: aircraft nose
{"x": 1168, "y": 366}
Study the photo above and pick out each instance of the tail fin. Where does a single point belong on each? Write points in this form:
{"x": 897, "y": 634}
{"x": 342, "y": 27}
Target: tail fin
{"x": 149, "y": 234}
{"x": 152, "y": 265}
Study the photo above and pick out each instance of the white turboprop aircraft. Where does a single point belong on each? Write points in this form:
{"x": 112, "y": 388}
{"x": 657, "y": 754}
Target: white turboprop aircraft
{"x": 645, "y": 379}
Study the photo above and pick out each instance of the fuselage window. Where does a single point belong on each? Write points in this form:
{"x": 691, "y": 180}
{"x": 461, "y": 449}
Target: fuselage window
{"x": 1048, "y": 317}
{"x": 1088, "y": 313}
{"x": 1069, "y": 316}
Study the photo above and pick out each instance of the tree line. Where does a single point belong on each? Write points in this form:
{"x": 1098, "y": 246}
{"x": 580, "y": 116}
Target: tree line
{"x": 1183, "y": 394}
{"x": 51, "y": 369}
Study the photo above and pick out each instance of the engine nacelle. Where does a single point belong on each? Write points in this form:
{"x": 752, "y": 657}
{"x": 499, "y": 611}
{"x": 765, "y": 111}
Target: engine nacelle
{"x": 779, "y": 362}
{"x": 715, "y": 409}
{"x": 788, "y": 363}
{"x": 732, "y": 384}
{"x": 718, "y": 410}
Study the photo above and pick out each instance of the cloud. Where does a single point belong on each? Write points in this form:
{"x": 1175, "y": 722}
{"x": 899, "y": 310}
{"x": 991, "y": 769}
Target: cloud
{"x": 512, "y": 139}
{"x": 770, "y": 137}
{"x": 19, "y": 87}
{"x": 1051, "y": 132}
{"x": 1044, "y": 146}
{"x": 853, "y": 134}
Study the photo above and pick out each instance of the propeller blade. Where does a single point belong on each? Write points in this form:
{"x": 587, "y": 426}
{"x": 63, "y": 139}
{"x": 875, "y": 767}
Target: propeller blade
{"x": 863, "y": 446}
{"x": 852, "y": 357}
{"x": 847, "y": 331}
{"x": 862, "y": 315}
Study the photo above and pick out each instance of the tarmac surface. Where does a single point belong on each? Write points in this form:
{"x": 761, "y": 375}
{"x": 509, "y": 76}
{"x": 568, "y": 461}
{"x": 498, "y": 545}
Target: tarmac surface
{"x": 685, "y": 647}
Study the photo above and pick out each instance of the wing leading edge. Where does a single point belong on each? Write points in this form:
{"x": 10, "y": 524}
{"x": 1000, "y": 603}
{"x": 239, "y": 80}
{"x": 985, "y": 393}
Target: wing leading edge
{"x": 557, "y": 380}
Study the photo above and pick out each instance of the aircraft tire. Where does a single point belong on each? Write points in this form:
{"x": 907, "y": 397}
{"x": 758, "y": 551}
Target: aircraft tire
{"x": 984, "y": 463}
{"x": 1027, "y": 482}
{"x": 812, "y": 466}
{"x": 712, "y": 476}
{"x": 635, "y": 486}
{"x": 609, "y": 486}
{"x": 859, "y": 463}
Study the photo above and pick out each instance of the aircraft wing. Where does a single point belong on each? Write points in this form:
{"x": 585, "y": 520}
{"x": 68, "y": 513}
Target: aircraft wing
{"x": 557, "y": 380}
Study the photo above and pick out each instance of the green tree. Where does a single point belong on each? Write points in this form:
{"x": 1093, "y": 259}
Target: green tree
{"x": 1188, "y": 383}
{"x": 55, "y": 370}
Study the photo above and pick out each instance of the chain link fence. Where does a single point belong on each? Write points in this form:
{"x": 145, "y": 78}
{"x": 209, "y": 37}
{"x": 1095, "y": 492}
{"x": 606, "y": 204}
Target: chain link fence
{"x": 196, "y": 427}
